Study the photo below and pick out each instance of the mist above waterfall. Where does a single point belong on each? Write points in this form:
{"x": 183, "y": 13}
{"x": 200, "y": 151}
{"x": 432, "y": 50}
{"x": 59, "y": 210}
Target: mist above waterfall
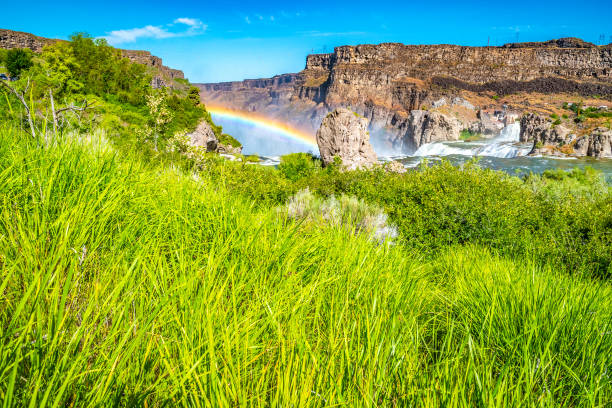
{"x": 260, "y": 141}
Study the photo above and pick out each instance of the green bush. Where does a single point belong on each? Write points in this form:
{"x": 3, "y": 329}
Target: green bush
{"x": 298, "y": 165}
{"x": 226, "y": 139}
{"x": 17, "y": 60}
{"x": 468, "y": 136}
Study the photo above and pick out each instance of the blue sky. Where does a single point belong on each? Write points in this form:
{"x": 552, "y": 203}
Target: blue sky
{"x": 222, "y": 41}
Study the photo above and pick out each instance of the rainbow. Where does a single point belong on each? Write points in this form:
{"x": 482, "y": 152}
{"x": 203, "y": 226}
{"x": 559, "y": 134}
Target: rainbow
{"x": 267, "y": 123}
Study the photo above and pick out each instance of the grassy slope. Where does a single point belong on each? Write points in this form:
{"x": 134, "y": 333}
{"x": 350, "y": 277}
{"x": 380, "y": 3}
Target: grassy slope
{"x": 125, "y": 283}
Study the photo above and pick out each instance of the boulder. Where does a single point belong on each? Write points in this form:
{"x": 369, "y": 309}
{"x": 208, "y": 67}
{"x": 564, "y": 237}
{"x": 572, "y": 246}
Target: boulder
{"x": 429, "y": 127}
{"x": 344, "y": 134}
{"x": 204, "y": 136}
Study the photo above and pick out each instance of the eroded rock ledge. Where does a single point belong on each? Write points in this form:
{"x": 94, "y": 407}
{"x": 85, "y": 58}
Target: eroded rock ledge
{"x": 559, "y": 140}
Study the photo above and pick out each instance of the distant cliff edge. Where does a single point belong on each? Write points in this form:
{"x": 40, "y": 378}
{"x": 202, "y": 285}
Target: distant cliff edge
{"x": 386, "y": 82}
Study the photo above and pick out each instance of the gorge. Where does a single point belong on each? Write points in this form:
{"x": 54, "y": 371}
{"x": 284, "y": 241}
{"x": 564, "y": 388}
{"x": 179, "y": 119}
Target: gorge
{"x": 413, "y": 95}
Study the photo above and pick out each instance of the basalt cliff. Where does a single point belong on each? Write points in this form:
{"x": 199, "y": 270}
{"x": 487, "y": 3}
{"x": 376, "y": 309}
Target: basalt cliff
{"x": 161, "y": 74}
{"x": 415, "y": 94}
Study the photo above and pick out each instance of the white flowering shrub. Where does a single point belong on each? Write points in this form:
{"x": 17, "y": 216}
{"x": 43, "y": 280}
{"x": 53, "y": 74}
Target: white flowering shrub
{"x": 160, "y": 117}
{"x": 344, "y": 211}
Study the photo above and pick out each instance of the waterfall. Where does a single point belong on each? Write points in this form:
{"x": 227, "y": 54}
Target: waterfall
{"x": 505, "y": 145}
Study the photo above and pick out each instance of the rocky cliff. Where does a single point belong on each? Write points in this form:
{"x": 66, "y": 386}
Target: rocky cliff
{"x": 162, "y": 75}
{"x": 386, "y": 82}
{"x": 562, "y": 140}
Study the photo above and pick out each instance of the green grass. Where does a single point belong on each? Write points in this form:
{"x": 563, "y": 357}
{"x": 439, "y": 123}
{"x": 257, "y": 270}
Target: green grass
{"x": 468, "y": 136}
{"x": 130, "y": 283}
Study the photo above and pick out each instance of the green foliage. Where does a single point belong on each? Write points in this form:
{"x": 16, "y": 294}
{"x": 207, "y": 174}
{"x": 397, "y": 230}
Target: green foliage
{"x": 103, "y": 71}
{"x": 298, "y": 165}
{"x": 495, "y": 97}
{"x": 468, "y": 136}
{"x": 556, "y": 122}
{"x": 17, "y": 60}
{"x": 133, "y": 284}
{"x": 228, "y": 140}
{"x": 194, "y": 95}
{"x": 187, "y": 116}
{"x": 3, "y": 53}
{"x": 252, "y": 158}
{"x": 442, "y": 205}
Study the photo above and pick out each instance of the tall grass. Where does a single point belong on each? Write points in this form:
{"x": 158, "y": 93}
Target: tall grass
{"x": 129, "y": 284}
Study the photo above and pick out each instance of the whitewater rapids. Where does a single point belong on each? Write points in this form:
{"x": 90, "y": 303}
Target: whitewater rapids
{"x": 505, "y": 145}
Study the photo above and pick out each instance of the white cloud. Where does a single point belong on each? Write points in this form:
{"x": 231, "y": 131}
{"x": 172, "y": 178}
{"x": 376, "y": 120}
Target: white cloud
{"x": 247, "y": 19}
{"x": 195, "y": 27}
{"x": 191, "y": 22}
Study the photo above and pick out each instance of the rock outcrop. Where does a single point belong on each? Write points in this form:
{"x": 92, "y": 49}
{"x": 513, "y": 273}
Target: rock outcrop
{"x": 204, "y": 136}
{"x": 559, "y": 140}
{"x": 344, "y": 134}
{"x": 429, "y": 127}
{"x": 163, "y": 76}
{"x": 598, "y": 144}
{"x": 386, "y": 82}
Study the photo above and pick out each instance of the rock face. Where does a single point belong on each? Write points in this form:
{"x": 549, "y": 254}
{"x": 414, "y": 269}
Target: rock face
{"x": 485, "y": 126}
{"x": 597, "y": 144}
{"x": 386, "y": 82}
{"x": 559, "y": 140}
{"x": 344, "y": 134}
{"x": 205, "y": 137}
{"x": 429, "y": 127}
{"x": 163, "y": 75}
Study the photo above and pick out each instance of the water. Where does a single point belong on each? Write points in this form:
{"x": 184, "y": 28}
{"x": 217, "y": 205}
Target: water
{"x": 506, "y": 145}
{"x": 503, "y": 152}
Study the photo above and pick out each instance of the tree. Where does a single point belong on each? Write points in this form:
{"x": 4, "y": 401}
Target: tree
{"x": 194, "y": 95}
{"x": 160, "y": 117}
{"x": 18, "y": 60}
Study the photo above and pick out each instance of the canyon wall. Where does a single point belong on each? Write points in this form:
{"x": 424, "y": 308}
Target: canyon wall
{"x": 162, "y": 75}
{"x": 386, "y": 82}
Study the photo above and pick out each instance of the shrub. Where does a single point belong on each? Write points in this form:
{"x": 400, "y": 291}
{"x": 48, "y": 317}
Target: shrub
{"x": 346, "y": 212}
{"x": 226, "y": 139}
{"x": 298, "y": 165}
{"x": 468, "y": 135}
{"x": 18, "y": 60}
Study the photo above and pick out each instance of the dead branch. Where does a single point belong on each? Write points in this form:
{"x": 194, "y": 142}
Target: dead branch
{"x": 21, "y": 98}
